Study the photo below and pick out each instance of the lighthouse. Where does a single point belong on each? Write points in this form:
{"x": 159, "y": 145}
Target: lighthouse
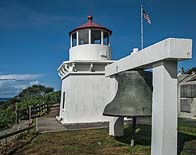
{"x": 85, "y": 89}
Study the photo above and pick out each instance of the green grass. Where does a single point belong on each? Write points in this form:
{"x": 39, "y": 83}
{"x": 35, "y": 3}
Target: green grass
{"x": 187, "y": 136}
{"x": 189, "y": 148}
{"x": 187, "y": 126}
{"x": 98, "y": 142}
{"x": 84, "y": 142}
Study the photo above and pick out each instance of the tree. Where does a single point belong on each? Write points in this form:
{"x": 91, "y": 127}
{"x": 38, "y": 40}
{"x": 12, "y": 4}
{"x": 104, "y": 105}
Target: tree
{"x": 52, "y": 97}
{"x": 191, "y": 70}
{"x": 35, "y": 90}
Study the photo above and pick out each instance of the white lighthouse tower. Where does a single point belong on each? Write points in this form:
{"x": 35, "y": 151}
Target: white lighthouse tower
{"x": 85, "y": 89}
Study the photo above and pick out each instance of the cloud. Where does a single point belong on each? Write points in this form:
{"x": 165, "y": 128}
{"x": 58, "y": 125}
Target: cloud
{"x": 34, "y": 82}
{"x": 12, "y": 84}
{"x": 19, "y": 76}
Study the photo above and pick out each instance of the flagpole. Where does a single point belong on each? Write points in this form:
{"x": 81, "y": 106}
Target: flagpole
{"x": 142, "y": 33}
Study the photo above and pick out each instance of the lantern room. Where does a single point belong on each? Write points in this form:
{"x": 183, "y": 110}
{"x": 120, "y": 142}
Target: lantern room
{"x": 90, "y": 42}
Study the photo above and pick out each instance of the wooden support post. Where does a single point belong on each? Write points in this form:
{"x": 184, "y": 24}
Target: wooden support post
{"x": 48, "y": 108}
{"x": 6, "y": 144}
{"x": 133, "y": 131}
{"x": 29, "y": 112}
{"x": 43, "y": 106}
{"x": 16, "y": 112}
{"x": 39, "y": 110}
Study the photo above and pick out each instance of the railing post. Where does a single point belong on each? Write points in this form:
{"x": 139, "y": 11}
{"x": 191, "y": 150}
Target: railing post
{"x": 6, "y": 144}
{"x": 16, "y": 112}
{"x": 47, "y": 108}
{"x": 39, "y": 110}
{"x": 43, "y": 106}
{"x": 29, "y": 112}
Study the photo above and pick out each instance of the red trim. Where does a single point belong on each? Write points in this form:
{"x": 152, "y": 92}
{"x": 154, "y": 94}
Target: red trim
{"x": 90, "y": 24}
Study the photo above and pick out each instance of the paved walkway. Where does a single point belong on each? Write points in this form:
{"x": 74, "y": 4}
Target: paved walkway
{"x": 48, "y": 124}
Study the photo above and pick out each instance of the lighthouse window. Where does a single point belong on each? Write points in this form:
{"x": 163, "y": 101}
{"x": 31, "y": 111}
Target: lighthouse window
{"x": 83, "y": 37}
{"x": 95, "y": 37}
{"x": 74, "y": 41}
{"x": 105, "y": 38}
{"x": 63, "y": 100}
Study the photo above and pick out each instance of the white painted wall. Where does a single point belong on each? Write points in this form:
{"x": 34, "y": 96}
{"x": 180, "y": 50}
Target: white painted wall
{"x": 64, "y": 88}
{"x": 90, "y": 52}
{"x": 86, "y": 98}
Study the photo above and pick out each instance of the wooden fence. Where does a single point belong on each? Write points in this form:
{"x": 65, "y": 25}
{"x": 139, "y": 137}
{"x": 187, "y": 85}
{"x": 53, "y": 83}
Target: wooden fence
{"x": 25, "y": 114}
{"x": 32, "y": 112}
{"x": 39, "y": 110}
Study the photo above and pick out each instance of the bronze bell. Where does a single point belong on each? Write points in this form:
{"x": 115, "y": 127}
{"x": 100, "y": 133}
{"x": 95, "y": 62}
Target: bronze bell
{"x": 134, "y": 95}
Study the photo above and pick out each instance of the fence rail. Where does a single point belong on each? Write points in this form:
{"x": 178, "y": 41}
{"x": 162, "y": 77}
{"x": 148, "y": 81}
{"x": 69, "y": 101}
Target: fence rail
{"x": 32, "y": 112}
{"x": 16, "y": 132}
{"x": 39, "y": 110}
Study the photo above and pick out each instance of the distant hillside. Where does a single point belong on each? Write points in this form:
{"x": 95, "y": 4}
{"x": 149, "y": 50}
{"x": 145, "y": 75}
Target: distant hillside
{"x": 4, "y": 99}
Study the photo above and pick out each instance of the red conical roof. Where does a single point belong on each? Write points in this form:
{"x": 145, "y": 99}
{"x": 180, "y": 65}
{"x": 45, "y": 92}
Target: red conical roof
{"x": 90, "y": 24}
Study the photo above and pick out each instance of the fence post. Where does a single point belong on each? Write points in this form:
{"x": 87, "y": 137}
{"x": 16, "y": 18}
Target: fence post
{"x": 47, "y": 108}
{"x": 42, "y": 108}
{"x": 16, "y": 112}
{"x": 6, "y": 144}
{"x": 29, "y": 115}
{"x": 38, "y": 110}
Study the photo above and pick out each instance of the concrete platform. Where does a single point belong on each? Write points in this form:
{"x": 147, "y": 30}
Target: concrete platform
{"x": 48, "y": 124}
{"x": 81, "y": 126}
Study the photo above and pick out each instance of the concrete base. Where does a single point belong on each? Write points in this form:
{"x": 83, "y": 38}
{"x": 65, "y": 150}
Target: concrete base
{"x": 116, "y": 126}
{"x": 82, "y": 126}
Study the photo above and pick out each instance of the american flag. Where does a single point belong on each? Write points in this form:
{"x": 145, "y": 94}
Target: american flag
{"x": 145, "y": 15}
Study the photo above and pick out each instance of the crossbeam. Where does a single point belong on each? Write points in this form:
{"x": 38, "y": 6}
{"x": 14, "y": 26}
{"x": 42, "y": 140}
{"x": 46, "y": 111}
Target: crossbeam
{"x": 168, "y": 49}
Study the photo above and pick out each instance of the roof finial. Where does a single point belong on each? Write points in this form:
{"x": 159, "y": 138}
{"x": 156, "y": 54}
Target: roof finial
{"x": 90, "y": 18}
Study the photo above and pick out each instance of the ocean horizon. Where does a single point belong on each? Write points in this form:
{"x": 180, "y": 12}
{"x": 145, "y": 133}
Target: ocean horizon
{"x": 4, "y": 99}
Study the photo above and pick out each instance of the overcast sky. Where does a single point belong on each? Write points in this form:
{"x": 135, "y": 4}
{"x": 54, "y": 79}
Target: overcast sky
{"x": 34, "y": 37}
